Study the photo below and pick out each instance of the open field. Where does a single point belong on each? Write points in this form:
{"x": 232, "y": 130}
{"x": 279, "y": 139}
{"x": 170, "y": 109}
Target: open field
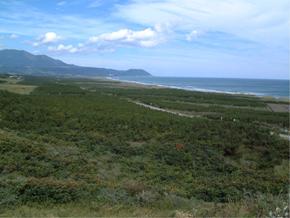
{"x": 81, "y": 147}
{"x": 19, "y": 89}
{"x": 11, "y": 85}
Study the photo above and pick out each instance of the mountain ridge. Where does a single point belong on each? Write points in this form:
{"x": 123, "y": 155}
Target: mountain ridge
{"x": 21, "y": 61}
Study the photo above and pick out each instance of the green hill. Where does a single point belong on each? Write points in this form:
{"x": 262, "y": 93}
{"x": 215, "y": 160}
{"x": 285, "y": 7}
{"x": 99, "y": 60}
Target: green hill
{"x": 18, "y": 61}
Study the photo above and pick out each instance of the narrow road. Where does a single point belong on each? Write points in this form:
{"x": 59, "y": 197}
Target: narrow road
{"x": 284, "y": 136}
{"x": 163, "y": 110}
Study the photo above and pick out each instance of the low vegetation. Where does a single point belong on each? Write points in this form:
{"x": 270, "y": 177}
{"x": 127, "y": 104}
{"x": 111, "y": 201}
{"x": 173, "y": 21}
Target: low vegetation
{"x": 76, "y": 147}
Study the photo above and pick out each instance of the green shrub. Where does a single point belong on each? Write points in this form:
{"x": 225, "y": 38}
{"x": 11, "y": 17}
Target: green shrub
{"x": 50, "y": 190}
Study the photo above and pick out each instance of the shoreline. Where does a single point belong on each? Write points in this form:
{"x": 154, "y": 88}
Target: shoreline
{"x": 249, "y": 94}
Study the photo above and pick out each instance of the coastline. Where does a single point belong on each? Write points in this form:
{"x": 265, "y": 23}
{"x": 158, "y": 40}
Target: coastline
{"x": 150, "y": 85}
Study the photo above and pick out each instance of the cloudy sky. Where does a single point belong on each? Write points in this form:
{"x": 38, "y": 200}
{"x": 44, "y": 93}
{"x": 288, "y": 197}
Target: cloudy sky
{"x": 197, "y": 38}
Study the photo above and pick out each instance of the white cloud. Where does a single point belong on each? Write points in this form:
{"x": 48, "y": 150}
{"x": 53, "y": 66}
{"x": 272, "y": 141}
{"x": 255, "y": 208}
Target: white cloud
{"x": 109, "y": 42}
{"x": 144, "y": 38}
{"x": 49, "y": 37}
{"x": 193, "y": 35}
{"x": 260, "y": 20}
{"x": 96, "y": 3}
{"x": 163, "y": 27}
{"x": 13, "y": 36}
{"x": 61, "y": 3}
{"x": 65, "y": 48}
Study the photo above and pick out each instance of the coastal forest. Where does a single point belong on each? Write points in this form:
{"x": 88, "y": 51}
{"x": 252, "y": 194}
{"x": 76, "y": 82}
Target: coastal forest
{"x": 88, "y": 147}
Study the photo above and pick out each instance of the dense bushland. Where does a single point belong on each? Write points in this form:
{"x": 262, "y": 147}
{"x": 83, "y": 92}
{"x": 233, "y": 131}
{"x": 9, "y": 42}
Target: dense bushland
{"x": 65, "y": 144}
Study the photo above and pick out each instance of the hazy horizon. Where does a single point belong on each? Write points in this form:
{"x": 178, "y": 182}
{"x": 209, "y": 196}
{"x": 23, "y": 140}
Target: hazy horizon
{"x": 209, "y": 39}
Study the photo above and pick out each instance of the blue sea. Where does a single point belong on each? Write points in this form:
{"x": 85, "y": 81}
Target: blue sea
{"x": 258, "y": 87}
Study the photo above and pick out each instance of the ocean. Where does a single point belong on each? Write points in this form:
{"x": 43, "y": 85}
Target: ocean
{"x": 258, "y": 87}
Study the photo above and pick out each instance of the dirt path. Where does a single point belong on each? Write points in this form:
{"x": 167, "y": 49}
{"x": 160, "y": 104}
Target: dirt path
{"x": 278, "y": 107}
{"x": 163, "y": 110}
{"x": 221, "y": 105}
{"x": 284, "y": 136}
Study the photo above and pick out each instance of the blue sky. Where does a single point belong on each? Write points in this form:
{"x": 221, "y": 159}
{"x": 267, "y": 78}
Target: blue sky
{"x": 196, "y": 38}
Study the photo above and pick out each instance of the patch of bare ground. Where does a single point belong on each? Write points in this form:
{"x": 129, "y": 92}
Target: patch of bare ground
{"x": 181, "y": 114}
{"x": 278, "y": 107}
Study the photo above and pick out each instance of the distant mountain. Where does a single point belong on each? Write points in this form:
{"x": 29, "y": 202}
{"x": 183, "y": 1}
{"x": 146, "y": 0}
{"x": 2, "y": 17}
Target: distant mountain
{"x": 23, "y": 62}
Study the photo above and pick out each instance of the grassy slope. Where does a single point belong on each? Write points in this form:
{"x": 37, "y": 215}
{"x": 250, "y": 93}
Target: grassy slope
{"x": 63, "y": 146}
